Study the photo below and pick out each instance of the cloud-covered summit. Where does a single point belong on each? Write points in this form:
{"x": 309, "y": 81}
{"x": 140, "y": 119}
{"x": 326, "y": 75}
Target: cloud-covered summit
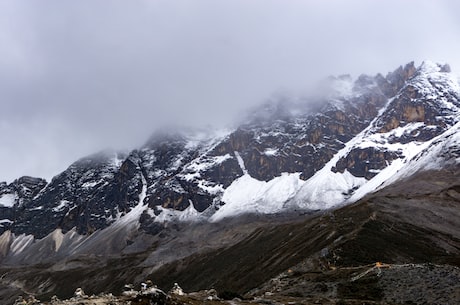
{"x": 78, "y": 76}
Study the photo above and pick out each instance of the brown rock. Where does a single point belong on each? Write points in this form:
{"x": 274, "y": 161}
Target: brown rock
{"x": 414, "y": 113}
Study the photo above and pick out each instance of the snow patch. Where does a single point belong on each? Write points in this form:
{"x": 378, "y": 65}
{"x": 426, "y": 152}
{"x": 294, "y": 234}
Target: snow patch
{"x": 191, "y": 176}
{"x": 270, "y": 152}
{"x": 432, "y": 157}
{"x": 8, "y": 200}
{"x": 405, "y": 130}
{"x": 187, "y": 215}
{"x": 61, "y": 206}
{"x": 249, "y": 195}
{"x": 90, "y": 184}
{"x": 136, "y": 212}
{"x": 37, "y": 208}
{"x": 203, "y": 164}
{"x": 210, "y": 188}
{"x": 150, "y": 212}
{"x": 117, "y": 161}
{"x": 5, "y": 221}
{"x": 327, "y": 189}
{"x": 241, "y": 162}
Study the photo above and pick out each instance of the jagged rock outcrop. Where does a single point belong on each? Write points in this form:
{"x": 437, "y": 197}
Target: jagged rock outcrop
{"x": 365, "y": 162}
{"x": 426, "y": 106}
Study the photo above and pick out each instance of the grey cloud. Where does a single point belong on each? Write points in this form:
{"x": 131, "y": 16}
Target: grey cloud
{"x": 77, "y": 76}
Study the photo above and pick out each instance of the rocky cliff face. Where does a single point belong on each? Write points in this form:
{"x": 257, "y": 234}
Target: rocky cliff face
{"x": 426, "y": 106}
{"x": 363, "y": 127}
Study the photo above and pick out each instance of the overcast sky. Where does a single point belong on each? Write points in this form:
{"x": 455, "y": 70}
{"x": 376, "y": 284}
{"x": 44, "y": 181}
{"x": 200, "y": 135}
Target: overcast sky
{"x": 80, "y": 76}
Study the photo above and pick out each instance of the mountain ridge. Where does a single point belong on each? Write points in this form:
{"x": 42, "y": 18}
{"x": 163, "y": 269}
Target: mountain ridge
{"x": 304, "y": 200}
{"x": 286, "y": 144}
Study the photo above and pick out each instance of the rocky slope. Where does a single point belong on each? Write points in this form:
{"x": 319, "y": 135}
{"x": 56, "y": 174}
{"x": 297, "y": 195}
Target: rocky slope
{"x": 400, "y": 245}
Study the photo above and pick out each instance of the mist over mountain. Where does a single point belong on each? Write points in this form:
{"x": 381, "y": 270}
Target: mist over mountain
{"x": 79, "y": 77}
{"x": 345, "y": 196}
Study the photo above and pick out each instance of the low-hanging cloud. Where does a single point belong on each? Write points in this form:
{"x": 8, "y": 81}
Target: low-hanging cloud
{"x": 78, "y": 76}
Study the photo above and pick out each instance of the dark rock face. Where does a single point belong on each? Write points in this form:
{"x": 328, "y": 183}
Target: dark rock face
{"x": 26, "y": 188}
{"x": 23, "y": 191}
{"x": 424, "y": 107}
{"x": 86, "y": 196}
{"x": 365, "y": 162}
{"x": 164, "y": 161}
{"x": 302, "y": 143}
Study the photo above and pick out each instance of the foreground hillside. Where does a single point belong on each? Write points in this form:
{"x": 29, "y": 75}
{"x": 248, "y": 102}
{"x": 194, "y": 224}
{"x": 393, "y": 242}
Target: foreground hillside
{"x": 394, "y": 247}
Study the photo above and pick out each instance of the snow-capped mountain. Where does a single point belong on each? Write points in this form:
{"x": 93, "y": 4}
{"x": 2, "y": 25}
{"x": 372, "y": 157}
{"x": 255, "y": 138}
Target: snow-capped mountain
{"x": 290, "y": 154}
{"x": 366, "y": 171}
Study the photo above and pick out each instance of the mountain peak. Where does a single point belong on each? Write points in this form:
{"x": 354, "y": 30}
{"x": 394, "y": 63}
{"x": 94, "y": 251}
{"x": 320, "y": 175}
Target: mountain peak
{"x": 429, "y": 66}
